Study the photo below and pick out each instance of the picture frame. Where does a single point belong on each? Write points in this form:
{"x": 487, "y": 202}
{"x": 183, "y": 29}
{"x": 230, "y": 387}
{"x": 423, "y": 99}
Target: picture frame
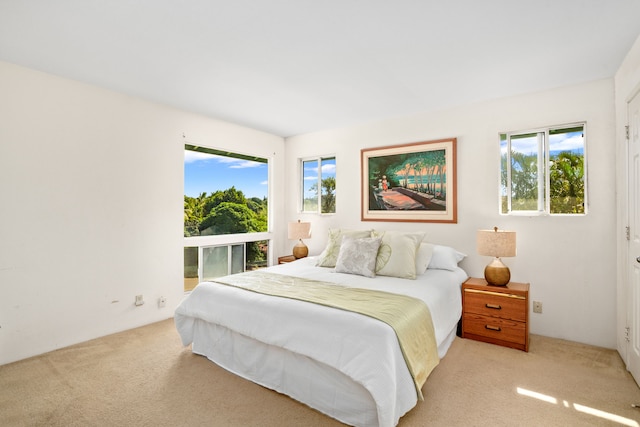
{"x": 414, "y": 182}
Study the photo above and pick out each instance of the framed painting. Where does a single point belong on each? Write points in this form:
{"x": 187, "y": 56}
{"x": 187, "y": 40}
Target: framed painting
{"x": 410, "y": 182}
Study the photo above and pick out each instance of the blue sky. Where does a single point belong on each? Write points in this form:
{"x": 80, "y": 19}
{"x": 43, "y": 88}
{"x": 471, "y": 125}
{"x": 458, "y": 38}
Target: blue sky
{"x": 207, "y": 173}
{"x": 310, "y": 174}
{"x": 570, "y": 141}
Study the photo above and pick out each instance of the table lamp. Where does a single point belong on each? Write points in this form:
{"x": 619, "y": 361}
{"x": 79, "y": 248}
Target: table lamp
{"x": 496, "y": 243}
{"x": 298, "y": 231}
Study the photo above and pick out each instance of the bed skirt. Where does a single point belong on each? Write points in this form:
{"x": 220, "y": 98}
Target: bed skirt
{"x": 306, "y": 380}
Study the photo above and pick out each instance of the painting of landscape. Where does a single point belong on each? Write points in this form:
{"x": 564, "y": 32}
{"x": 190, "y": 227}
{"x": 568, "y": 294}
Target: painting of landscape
{"x": 410, "y": 182}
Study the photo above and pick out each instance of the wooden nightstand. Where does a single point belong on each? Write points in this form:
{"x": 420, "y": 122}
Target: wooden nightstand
{"x": 496, "y": 314}
{"x": 285, "y": 259}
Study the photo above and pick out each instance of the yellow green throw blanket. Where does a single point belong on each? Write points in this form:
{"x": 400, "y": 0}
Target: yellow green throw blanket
{"x": 409, "y": 317}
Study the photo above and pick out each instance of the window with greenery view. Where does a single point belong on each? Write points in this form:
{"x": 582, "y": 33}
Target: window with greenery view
{"x": 543, "y": 171}
{"x": 224, "y": 193}
{"x": 319, "y": 185}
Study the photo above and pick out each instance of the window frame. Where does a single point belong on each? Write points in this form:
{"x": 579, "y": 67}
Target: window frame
{"x": 240, "y": 156}
{"x": 543, "y": 170}
{"x": 203, "y": 241}
{"x": 301, "y": 198}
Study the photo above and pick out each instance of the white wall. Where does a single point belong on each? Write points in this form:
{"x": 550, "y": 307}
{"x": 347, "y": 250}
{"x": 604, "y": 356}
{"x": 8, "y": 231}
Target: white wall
{"x": 91, "y": 208}
{"x": 627, "y": 84}
{"x": 91, "y": 204}
{"x": 569, "y": 261}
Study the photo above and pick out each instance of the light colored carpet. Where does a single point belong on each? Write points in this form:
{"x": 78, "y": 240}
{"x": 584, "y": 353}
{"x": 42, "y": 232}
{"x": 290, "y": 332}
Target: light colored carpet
{"x": 144, "y": 377}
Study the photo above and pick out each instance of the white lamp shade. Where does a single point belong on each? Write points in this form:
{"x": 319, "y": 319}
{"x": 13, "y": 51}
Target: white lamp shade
{"x": 496, "y": 243}
{"x": 299, "y": 230}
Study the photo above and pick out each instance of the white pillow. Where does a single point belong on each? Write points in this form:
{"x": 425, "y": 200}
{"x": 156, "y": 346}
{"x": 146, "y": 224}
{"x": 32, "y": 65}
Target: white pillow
{"x": 445, "y": 258}
{"x": 423, "y": 257}
{"x": 358, "y": 256}
{"x": 397, "y": 253}
{"x": 329, "y": 256}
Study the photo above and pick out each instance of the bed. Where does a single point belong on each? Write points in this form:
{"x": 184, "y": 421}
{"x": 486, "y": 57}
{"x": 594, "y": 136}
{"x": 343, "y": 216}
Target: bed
{"x": 348, "y": 366}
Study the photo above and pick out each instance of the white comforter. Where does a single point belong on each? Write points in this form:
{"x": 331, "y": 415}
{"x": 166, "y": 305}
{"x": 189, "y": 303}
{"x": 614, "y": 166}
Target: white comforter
{"x": 364, "y": 349}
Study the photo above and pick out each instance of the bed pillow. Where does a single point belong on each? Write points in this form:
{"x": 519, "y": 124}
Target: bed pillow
{"x": 445, "y": 258}
{"x": 358, "y": 256}
{"x": 423, "y": 257}
{"x": 329, "y": 256}
{"x": 397, "y": 253}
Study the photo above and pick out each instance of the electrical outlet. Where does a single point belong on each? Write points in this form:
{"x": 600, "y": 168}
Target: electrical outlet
{"x": 162, "y": 302}
{"x": 537, "y": 307}
{"x": 139, "y": 300}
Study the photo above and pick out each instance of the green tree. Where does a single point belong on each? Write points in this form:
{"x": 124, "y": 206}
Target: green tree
{"x": 329, "y": 194}
{"x": 567, "y": 183}
{"x": 193, "y": 214}
{"x": 198, "y": 209}
{"x": 229, "y": 218}
{"x": 524, "y": 181}
{"x": 328, "y": 199}
{"x": 230, "y": 195}
{"x": 261, "y": 209}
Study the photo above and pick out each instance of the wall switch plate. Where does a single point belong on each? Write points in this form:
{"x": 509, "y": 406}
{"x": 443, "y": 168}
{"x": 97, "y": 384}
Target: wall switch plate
{"x": 139, "y": 300}
{"x": 537, "y": 307}
{"x": 162, "y": 302}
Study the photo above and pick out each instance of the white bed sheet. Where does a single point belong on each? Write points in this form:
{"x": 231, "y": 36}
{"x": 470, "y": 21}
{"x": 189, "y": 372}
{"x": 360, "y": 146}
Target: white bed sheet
{"x": 439, "y": 289}
{"x": 248, "y": 335}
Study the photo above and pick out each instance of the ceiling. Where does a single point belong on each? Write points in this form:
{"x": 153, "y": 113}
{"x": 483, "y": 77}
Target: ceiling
{"x": 296, "y": 66}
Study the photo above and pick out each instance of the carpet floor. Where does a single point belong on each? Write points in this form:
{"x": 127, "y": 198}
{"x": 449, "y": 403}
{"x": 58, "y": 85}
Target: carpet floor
{"x": 145, "y": 377}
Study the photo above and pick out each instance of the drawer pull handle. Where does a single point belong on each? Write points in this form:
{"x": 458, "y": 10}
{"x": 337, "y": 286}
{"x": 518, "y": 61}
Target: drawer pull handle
{"x": 493, "y": 328}
{"x": 493, "y": 306}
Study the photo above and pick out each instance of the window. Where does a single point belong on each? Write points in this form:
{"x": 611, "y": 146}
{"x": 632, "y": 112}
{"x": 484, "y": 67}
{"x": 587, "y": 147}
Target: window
{"x": 319, "y": 173}
{"x": 224, "y": 193}
{"x": 543, "y": 171}
{"x": 209, "y": 262}
{"x": 225, "y": 213}
{"x": 218, "y": 261}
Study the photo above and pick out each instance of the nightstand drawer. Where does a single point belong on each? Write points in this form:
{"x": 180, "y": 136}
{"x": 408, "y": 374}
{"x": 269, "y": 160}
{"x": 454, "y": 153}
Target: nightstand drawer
{"x": 494, "y": 328}
{"x": 502, "y": 305}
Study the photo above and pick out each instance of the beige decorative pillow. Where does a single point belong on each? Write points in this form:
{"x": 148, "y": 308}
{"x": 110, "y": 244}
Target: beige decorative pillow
{"x": 329, "y": 256}
{"x": 358, "y": 256}
{"x": 397, "y": 253}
